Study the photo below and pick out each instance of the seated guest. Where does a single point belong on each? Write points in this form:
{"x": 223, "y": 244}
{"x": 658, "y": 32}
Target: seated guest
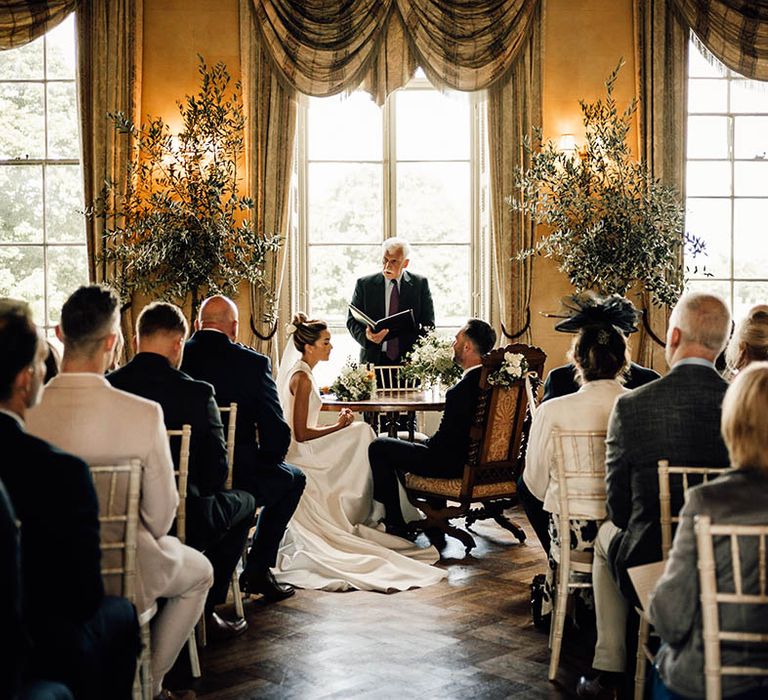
{"x": 749, "y": 342}
{"x": 445, "y": 453}
{"x": 738, "y": 497}
{"x": 677, "y": 418}
{"x": 600, "y": 356}
{"x": 217, "y": 520}
{"x": 243, "y": 376}
{"x": 82, "y": 413}
{"x": 79, "y": 636}
{"x": 584, "y": 309}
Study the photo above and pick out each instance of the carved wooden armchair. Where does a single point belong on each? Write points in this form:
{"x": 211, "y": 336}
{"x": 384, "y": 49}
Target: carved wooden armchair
{"x": 495, "y": 458}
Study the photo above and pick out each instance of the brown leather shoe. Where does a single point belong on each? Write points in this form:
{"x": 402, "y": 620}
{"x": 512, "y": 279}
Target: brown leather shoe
{"x": 220, "y": 629}
{"x": 602, "y": 687}
{"x": 265, "y": 584}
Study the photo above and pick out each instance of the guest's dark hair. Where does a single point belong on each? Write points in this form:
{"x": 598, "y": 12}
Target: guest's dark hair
{"x": 52, "y": 362}
{"x": 481, "y": 335}
{"x": 599, "y": 352}
{"x": 87, "y": 317}
{"x": 18, "y": 342}
{"x": 161, "y": 316}
{"x": 307, "y": 331}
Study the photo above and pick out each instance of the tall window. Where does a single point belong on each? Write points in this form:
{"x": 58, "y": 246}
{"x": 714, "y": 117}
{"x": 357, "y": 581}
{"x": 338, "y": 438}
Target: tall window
{"x": 42, "y": 235}
{"x": 409, "y": 169}
{"x": 727, "y": 181}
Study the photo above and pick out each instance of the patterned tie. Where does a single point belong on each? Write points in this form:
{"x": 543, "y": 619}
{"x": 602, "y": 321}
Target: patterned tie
{"x": 393, "y": 346}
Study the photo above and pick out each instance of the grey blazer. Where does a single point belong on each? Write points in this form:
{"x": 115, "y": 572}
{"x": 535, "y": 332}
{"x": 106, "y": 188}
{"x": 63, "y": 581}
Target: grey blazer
{"x": 737, "y": 497}
{"x": 677, "y": 418}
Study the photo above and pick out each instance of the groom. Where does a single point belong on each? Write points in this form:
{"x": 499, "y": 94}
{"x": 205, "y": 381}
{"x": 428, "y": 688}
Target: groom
{"x": 445, "y": 453}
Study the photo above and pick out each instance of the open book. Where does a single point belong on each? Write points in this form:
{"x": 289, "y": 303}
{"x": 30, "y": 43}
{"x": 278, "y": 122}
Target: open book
{"x": 399, "y": 323}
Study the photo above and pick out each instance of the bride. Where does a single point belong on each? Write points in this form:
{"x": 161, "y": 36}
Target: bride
{"x": 333, "y": 541}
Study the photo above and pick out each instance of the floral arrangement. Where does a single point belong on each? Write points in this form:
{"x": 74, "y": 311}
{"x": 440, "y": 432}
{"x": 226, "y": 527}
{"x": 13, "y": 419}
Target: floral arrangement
{"x": 354, "y": 383}
{"x": 512, "y": 369}
{"x": 431, "y": 360}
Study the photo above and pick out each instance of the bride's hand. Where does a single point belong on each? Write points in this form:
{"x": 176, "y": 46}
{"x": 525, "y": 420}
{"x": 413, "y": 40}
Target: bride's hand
{"x": 346, "y": 417}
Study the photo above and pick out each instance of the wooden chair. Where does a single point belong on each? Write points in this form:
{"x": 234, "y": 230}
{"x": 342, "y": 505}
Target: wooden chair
{"x": 494, "y": 460}
{"x": 390, "y": 379}
{"x": 668, "y": 516}
{"x": 580, "y": 463}
{"x": 182, "y": 477}
{"x": 117, "y": 488}
{"x": 713, "y": 596}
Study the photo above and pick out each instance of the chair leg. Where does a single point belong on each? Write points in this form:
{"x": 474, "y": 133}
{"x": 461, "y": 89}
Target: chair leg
{"x": 145, "y": 663}
{"x": 194, "y": 659}
{"x": 640, "y": 665}
{"x": 514, "y": 528}
{"x": 557, "y": 623}
{"x": 237, "y": 595}
{"x": 202, "y": 632}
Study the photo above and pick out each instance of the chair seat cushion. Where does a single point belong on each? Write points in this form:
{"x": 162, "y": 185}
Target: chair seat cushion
{"x": 451, "y": 488}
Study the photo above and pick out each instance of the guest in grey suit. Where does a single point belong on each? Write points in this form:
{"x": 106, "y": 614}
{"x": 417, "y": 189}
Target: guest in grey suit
{"x": 738, "y": 497}
{"x": 677, "y": 418}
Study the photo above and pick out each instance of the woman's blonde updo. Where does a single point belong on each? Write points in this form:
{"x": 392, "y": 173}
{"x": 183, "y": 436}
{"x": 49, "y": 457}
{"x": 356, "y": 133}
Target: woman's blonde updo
{"x": 749, "y": 342}
{"x": 307, "y": 332}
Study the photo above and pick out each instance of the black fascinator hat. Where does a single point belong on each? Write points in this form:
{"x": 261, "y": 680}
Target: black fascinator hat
{"x": 590, "y": 309}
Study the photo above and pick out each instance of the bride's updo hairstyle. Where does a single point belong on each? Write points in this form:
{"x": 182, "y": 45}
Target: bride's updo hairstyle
{"x": 307, "y": 331}
{"x": 599, "y": 352}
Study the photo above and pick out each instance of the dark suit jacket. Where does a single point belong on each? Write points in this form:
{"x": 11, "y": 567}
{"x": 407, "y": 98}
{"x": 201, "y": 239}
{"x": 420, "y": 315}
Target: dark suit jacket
{"x": 244, "y": 376}
{"x": 676, "y": 418}
{"x": 186, "y": 400}
{"x": 369, "y": 298}
{"x": 561, "y": 381}
{"x": 13, "y": 639}
{"x": 449, "y": 446}
{"x": 56, "y": 502}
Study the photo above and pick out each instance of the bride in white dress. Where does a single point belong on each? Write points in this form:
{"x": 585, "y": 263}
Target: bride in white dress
{"x": 334, "y": 542}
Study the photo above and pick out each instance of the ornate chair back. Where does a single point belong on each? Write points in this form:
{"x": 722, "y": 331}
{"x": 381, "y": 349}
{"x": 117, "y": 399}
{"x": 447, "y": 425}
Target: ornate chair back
{"x": 737, "y": 577}
{"x": 182, "y": 476}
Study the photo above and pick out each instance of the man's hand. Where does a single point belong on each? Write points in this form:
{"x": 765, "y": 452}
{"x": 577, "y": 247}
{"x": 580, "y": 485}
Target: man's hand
{"x": 377, "y": 338}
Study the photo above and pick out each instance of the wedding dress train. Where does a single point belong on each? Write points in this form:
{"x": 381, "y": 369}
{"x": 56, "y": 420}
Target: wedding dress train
{"x": 334, "y": 542}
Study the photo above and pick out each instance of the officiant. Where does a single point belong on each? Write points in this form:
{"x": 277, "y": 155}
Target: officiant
{"x": 384, "y": 294}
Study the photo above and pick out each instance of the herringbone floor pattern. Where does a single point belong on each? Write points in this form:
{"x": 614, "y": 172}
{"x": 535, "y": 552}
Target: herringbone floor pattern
{"x": 469, "y": 636}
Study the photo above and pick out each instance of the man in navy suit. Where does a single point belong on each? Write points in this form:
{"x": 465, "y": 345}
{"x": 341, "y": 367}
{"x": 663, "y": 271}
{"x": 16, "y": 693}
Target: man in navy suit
{"x": 80, "y": 637}
{"x": 385, "y": 293}
{"x": 445, "y": 453}
{"x": 241, "y": 375}
{"x": 218, "y": 520}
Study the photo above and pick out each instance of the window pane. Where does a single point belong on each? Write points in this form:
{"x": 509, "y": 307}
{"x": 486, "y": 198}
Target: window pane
{"x": 746, "y": 295}
{"x": 432, "y": 126}
{"x": 67, "y": 270}
{"x": 707, "y": 137}
{"x": 748, "y": 96}
{"x": 751, "y": 137}
{"x": 708, "y": 179}
{"x": 62, "y": 121}
{"x": 750, "y": 232}
{"x": 700, "y": 67}
{"x": 21, "y": 276}
{"x": 64, "y": 218}
{"x": 60, "y": 50}
{"x": 433, "y": 202}
{"x": 720, "y": 287}
{"x": 344, "y": 129}
{"x": 344, "y": 202}
{"x": 710, "y": 219}
{"x": 21, "y": 204}
{"x": 448, "y": 270}
{"x": 24, "y": 63}
{"x": 23, "y": 132}
{"x": 332, "y": 273}
{"x": 750, "y": 179}
{"x": 707, "y": 96}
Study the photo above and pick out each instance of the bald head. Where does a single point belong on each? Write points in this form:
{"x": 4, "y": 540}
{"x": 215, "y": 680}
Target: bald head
{"x": 698, "y": 327}
{"x": 218, "y": 313}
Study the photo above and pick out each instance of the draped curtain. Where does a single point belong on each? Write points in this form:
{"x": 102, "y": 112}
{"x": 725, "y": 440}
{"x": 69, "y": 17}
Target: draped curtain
{"x": 22, "y": 21}
{"x": 325, "y": 47}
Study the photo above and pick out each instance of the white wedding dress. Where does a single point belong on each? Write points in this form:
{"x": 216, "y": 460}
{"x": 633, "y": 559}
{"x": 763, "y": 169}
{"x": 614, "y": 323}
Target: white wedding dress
{"x": 333, "y": 542}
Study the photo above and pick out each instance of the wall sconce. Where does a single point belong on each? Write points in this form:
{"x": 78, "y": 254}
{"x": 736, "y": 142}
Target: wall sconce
{"x": 567, "y": 144}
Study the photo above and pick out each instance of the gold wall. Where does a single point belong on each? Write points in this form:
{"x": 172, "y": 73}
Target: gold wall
{"x": 582, "y": 42}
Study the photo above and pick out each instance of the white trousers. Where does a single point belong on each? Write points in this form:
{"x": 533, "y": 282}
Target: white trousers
{"x": 185, "y": 599}
{"x": 610, "y": 606}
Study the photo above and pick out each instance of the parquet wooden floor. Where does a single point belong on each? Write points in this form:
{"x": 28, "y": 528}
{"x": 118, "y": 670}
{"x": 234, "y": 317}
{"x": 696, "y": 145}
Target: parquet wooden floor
{"x": 469, "y": 636}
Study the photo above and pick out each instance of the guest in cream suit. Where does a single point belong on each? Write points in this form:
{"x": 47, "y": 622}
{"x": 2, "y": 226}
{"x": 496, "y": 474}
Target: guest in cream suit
{"x": 81, "y": 413}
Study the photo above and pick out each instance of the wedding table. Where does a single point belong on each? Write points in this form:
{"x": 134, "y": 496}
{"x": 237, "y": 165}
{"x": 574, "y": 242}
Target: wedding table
{"x": 391, "y": 403}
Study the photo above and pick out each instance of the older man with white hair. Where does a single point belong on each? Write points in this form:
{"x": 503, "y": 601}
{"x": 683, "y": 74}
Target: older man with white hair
{"x": 676, "y": 418}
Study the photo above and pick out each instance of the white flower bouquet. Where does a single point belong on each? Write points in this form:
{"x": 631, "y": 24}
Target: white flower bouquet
{"x": 431, "y": 360}
{"x": 514, "y": 368}
{"x": 354, "y": 383}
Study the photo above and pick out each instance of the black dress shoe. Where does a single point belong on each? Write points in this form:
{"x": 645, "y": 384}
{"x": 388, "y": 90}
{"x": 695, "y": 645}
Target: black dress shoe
{"x": 602, "y": 687}
{"x": 436, "y": 537}
{"x": 397, "y": 530}
{"x": 265, "y": 584}
{"x": 219, "y": 629}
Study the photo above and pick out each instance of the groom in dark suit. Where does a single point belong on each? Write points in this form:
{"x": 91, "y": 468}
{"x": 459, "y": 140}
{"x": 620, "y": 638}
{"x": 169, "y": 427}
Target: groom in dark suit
{"x": 385, "y": 293}
{"x": 445, "y": 453}
{"x": 241, "y": 375}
